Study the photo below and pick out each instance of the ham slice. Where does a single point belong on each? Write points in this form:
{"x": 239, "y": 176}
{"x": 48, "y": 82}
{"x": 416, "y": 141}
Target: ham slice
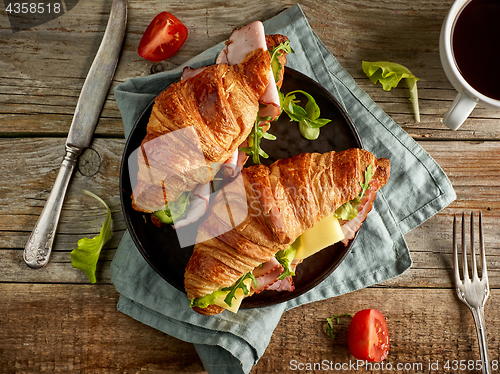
{"x": 241, "y": 42}
{"x": 349, "y": 228}
{"x": 189, "y": 72}
{"x": 198, "y": 206}
{"x": 285, "y": 284}
{"x": 268, "y": 273}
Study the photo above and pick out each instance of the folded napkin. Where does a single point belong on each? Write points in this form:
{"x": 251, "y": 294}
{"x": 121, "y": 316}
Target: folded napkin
{"x": 417, "y": 189}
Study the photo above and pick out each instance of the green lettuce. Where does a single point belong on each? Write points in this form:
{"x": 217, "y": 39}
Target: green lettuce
{"x": 230, "y": 292}
{"x": 175, "y": 210}
{"x": 254, "y": 139}
{"x": 86, "y": 254}
{"x": 330, "y": 331}
{"x": 389, "y": 74}
{"x": 275, "y": 52}
{"x": 307, "y": 117}
{"x": 349, "y": 210}
{"x": 285, "y": 258}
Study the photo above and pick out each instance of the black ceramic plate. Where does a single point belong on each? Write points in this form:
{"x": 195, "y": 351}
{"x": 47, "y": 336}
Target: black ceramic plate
{"x": 160, "y": 246}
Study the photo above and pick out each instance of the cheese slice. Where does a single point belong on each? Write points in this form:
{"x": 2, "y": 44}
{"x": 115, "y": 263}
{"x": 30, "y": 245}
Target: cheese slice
{"x": 236, "y": 303}
{"x": 325, "y": 233}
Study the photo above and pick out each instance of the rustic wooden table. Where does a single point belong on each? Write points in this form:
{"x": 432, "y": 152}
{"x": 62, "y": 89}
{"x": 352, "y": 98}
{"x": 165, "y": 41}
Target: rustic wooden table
{"x": 54, "y": 320}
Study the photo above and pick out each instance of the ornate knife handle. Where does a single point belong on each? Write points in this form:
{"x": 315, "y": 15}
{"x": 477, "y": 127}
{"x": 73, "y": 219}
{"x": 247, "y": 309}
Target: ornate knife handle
{"x": 39, "y": 247}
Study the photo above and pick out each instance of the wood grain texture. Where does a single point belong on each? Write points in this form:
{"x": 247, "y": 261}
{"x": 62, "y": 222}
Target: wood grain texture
{"x": 53, "y": 320}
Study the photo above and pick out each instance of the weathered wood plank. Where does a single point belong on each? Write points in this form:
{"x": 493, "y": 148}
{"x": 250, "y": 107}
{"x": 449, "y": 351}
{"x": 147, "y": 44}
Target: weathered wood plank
{"x": 53, "y": 328}
{"x": 63, "y": 328}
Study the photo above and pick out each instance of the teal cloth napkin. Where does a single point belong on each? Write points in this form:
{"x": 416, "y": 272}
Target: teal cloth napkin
{"x": 417, "y": 189}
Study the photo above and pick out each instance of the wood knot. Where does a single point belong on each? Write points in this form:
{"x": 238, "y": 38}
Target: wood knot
{"x": 89, "y": 162}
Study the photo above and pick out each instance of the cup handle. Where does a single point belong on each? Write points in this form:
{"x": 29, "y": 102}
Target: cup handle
{"x": 459, "y": 110}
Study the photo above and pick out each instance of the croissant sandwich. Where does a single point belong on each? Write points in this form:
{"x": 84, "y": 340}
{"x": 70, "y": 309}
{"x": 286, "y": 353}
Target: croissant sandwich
{"x": 266, "y": 235}
{"x": 200, "y": 122}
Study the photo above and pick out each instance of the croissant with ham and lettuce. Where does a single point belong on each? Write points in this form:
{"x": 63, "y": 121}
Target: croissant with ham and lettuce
{"x": 200, "y": 122}
{"x": 279, "y": 203}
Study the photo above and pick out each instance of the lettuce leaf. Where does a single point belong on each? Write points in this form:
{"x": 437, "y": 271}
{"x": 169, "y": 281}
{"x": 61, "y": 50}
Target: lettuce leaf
{"x": 239, "y": 284}
{"x": 307, "y": 117}
{"x": 175, "y": 210}
{"x": 285, "y": 258}
{"x": 349, "y": 210}
{"x": 203, "y": 302}
{"x": 275, "y": 52}
{"x": 254, "y": 139}
{"x": 86, "y": 254}
{"x": 389, "y": 74}
{"x": 230, "y": 292}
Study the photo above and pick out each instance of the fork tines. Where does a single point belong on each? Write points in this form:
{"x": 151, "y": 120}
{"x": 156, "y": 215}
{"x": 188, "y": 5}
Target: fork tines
{"x": 465, "y": 274}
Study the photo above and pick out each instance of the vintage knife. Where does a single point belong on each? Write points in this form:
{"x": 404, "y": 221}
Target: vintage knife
{"x": 88, "y": 109}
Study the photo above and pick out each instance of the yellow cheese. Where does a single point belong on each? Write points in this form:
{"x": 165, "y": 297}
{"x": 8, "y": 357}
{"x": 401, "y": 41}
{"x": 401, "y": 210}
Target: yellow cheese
{"x": 325, "y": 233}
{"x": 236, "y": 303}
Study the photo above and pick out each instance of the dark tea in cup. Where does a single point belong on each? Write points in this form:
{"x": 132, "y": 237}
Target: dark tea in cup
{"x": 476, "y": 45}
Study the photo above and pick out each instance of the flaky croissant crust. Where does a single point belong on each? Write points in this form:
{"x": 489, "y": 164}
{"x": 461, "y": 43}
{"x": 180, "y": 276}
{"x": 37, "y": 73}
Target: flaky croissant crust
{"x": 221, "y": 104}
{"x": 284, "y": 200}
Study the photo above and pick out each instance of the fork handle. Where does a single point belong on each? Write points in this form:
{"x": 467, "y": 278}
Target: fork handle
{"x": 478, "y": 314}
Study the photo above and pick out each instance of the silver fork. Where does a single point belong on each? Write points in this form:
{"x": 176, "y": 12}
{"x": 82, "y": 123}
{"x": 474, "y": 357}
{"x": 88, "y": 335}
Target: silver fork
{"x": 473, "y": 292}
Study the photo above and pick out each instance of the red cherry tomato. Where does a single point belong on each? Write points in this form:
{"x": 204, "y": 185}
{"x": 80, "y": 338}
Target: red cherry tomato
{"x": 368, "y": 336}
{"x": 163, "y": 38}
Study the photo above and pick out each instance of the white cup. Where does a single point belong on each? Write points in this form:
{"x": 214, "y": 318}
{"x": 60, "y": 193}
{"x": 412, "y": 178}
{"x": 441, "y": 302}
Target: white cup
{"x": 467, "y": 96}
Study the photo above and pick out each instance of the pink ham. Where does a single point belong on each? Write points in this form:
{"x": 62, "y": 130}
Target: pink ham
{"x": 349, "y": 228}
{"x": 268, "y": 273}
{"x": 198, "y": 206}
{"x": 240, "y": 43}
{"x": 266, "y": 280}
{"x": 285, "y": 284}
{"x": 189, "y": 72}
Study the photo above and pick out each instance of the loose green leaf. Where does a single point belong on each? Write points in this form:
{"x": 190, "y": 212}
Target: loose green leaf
{"x": 329, "y": 324}
{"x": 285, "y": 258}
{"x": 86, "y": 254}
{"x": 175, "y": 210}
{"x": 307, "y": 117}
{"x": 389, "y": 74}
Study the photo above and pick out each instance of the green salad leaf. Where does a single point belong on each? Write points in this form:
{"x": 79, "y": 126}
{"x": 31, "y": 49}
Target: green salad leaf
{"x": 175, "y": 210}
{"x": 203, "y": 302}
{"x": 230, "y": 292}
{"x": 349, "y": 210}
{"x": 86, "y": 254}
{"x": 307, "y": 117}
{"x": 389, "y": 74}
{"x": 254, "y": 139}
{"x": 285, "y": 258}
{"x": 330, "y": 331}
{"x": 275, "y": 52}
{"x": 239, "y": 284}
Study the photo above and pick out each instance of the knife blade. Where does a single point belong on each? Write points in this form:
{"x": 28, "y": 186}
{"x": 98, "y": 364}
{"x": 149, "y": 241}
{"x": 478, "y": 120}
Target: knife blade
{"x": 95, "y": 89}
